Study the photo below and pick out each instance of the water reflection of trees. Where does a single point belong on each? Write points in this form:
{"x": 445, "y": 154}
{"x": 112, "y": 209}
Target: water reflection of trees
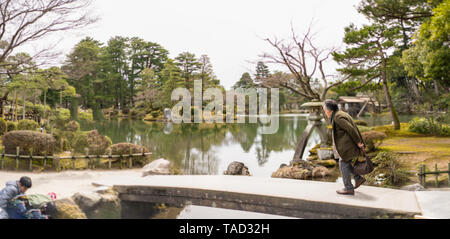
{"x": 193, "y": 147}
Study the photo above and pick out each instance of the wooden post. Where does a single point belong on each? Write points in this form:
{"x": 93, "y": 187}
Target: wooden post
{"x": 97, "y": 160}
{"x": 17, "y": 158}
{"x": 120, "y": 160}
{"x": 130, "y": 159}
{"x": 57, "y": 162}
{"x": 3, "y": 159}
{"x": 448, "y": 175}
{"x": 110, "y": 158}
{"x": 94, "y": 161}
{"x": 45, "y": 161}
{"x": 86, "y": 151}
{"x": 30, "y": 166}
{"x": 424, "y": 176}
{"x": 72, "y": 152}
{"x": 420, "y": 175}
{"x": 437, "y": 175}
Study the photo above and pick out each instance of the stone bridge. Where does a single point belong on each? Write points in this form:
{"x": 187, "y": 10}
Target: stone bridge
{"x": 286, "y": 197}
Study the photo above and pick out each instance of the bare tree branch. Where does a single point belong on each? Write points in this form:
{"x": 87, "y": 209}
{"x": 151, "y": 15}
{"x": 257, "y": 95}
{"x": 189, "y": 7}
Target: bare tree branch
{"x": 25, "y": 21}
{"x": 304, "y": 60}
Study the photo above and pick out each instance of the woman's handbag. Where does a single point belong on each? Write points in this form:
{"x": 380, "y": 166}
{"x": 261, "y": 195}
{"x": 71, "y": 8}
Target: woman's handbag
{"x": 366, "y": 167}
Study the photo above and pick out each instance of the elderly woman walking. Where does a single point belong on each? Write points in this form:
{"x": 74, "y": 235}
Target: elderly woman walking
{"x": 347, "y": 144}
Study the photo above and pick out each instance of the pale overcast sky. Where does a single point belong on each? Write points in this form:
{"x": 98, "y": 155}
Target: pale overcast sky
{"x": 229, "y": 32}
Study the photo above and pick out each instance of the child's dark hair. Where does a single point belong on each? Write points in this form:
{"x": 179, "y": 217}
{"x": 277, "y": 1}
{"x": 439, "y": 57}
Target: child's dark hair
{"x": 25, "y": 181}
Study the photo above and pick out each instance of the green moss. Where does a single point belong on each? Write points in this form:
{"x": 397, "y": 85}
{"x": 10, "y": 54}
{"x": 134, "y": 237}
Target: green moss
{"x": 402, "y": 132}
{"x": 418, "y": 144}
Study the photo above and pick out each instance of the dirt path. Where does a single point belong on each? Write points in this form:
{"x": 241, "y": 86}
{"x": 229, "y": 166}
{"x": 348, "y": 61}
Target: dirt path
{"x": 67, "y": 183}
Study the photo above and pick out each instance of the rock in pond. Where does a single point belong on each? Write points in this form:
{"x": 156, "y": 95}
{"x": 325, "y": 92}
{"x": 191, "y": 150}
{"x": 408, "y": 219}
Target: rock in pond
{"x": 158, "y": 167}
{"x": 301, "y": 170}
{"x": 237, "y": 168}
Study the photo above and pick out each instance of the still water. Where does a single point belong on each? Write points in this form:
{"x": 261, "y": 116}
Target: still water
{"x": 208, "y": 149}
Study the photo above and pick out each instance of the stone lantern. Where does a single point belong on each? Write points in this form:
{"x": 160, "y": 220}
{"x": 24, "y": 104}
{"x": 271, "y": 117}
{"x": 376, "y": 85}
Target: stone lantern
{"x": 314, "y": 122}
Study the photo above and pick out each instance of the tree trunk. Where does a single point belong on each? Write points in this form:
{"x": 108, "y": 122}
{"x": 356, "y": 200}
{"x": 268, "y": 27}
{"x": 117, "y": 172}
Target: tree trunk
{"x": 24, "y": 103}
{"x": 15, "y": 107}
{"x": 389, "y": 100}
{"x": 74, "y": 108}
{"x": 436, "y": 87}
{"x": 1, "y": 109}
{"x": 60, "y": 99}
{"x": 394, "y": 115}
{"x": 45, "y": 104}
{"x": 416, "y": 90}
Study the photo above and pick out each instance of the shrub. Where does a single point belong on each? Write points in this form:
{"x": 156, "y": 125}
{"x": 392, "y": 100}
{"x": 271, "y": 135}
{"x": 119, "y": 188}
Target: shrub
{"x": 11, "y": 126}
{"x": 3, "y": 126}
{"x": 27, "y": 125}
{"x": 429, "y": 126}
{"x": 373, "y": 139}
{"x": 29, "y": 142}
{"x": 363, "y": 128}
{"x": 72, "y": 126}
{"x": 125, "y": 148}
{"x": 37, "y": 108}
{"x": 63, "y": 139}
{"x": 59, "y": 118}
{"x": 361, "y": 122}
{"x": 80, "y": 142}
{"x": 87, "y": 116}
{"x": 388, "y": 170}
{"x": 95, "y": 142}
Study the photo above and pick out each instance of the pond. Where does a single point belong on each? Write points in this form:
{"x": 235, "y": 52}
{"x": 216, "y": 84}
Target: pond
{"x": 208, "y": 149}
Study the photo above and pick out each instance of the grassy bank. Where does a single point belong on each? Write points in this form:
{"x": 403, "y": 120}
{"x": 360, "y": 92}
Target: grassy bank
{"x": 417, "y": 149}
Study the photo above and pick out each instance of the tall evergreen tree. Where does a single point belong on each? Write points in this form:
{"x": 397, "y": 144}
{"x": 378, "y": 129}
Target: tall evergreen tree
{"x": 189, "y": 66}
{"x": 245, "y": 82}
{"x": 367, "y": 55}
{"x": 262, "y": 72}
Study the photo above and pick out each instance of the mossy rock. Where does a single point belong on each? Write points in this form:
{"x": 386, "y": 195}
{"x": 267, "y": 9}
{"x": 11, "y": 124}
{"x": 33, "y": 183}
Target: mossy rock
{"x": 301, "y": 170}
{"x": 329, "y": 163}
{"x": 149, "y": 117}
{"x": 28, "y": 125}
{"x": 313, "y": 151}
{"x": 29, "y": 142}
{"x": 67, "y": 209}
{"x": 313, "y": 158}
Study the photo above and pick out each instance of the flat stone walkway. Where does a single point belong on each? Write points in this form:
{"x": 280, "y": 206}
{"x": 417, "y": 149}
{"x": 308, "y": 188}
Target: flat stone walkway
{"x": 434, "y": 204}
